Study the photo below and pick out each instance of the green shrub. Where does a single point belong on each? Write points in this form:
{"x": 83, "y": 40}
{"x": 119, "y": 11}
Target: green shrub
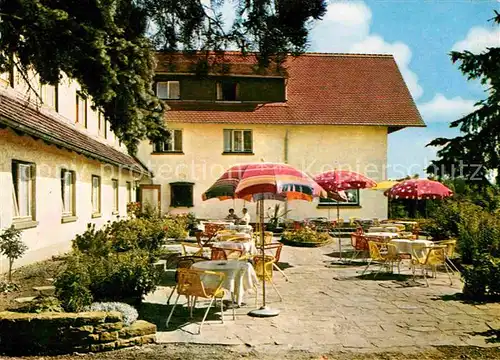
{"x": 306, "y": 235}
{"x": 72, "y": 284}
{"x": 42, "y": 303}
{"x": 176, "y": 227}
{"x": 92, "y": 241}
{"x": 120, "y": 276}
{"x": 123, "y": 276}
{"x": 142, "y": 233}
{"x": 482, "y": 278}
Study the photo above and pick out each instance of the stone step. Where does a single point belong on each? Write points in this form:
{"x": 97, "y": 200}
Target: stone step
{"x": 23, "y": 300}
{"x": 161, "y": 263}
{"x": 45, "y": 290}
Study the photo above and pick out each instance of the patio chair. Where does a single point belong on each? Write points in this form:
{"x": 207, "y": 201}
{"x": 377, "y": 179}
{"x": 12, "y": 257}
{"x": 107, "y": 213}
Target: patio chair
{"x": 277, "y": 247}
{"x": 268, "y": 238}
{"x": 384, "y": 253}
{"x": 192, "y": 249}
{"x": 360, "y": 244}
{"x": 209, "y": 233}
{"x": 219, "y": 253}
{"x": 450, "y": 251}
{"x": 191, "y": 286}
{"x": 184, "y": 262}
{"x": 435, "y": 257}
{"x": 264, "y": 270}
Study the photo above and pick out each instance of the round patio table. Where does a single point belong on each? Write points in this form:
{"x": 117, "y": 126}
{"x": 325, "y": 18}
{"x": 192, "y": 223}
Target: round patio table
{"x": 246, "y": 247}
{"x": 412, "y": 247}
{"x": 239, "y": 276}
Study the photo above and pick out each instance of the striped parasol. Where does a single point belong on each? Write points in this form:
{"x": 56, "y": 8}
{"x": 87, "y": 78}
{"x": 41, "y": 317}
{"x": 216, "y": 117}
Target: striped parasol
{"x": 263, "y": 181}
{"x": 258, "y": 182}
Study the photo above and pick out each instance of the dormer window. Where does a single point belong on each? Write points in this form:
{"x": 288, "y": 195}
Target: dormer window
{"x": 168, "y": 90}
{"x": 227, "y": 91}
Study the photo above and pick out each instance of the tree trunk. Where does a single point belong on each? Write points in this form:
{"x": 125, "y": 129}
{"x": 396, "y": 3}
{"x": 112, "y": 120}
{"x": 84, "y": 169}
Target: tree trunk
{"x": 11, "y": 262}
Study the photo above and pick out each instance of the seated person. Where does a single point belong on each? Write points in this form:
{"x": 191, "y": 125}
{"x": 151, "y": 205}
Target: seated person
{"x": 245, "y": 219}
{"x": 232, "y": 216}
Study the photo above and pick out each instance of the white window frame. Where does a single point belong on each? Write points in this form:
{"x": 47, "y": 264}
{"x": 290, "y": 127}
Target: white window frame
{"x": 29, "y": 192}
{"x": 68, "y": 192}
{"x": 349, "y": 202}
{"x": 96, "y": 195}
{"x": 169, "y": 84}
{"x": 44, "y": 95}
{"x": 161, "y": 147}
{"x": 230, "y": 148}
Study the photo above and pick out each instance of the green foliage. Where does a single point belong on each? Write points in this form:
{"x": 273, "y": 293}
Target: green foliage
{"x": 306, "y": 235}
{"x": 103, "y": 45}
{"x": 475, "y": 152}
{"x": 8, "y": 286}
{"x": 93, "y": 241}
{"x": 122, "y": 276}
{"x": 72, "y": 284}
{"x": 41, "y": 304}
{"x": 479, "y": 236}
{"x": 482, "y": 279}
{"x": 176, "y": 227}
{"x": 12, "y": 246}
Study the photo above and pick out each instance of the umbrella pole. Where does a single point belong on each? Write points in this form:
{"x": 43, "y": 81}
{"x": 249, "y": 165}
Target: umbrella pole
{"x": 264, "y": 311}
{"x": 338, "y": 231}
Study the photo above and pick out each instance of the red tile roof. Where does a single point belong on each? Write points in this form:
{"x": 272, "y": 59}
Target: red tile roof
{"x": 328, "y": 89}
{"x": 23, "y": 116}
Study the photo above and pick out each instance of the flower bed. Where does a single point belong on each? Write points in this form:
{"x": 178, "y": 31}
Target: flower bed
{"x": 306, "y": 237}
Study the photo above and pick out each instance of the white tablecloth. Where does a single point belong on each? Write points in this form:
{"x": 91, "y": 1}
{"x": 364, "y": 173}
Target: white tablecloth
{"x": 383, "y": 234}
{"x": 247, "y": 247}
{"x": 405, "y": 246}
{"x": 243, "y": 228}
{"x": 240, "y": 275}
{"x": 228, "y": 225}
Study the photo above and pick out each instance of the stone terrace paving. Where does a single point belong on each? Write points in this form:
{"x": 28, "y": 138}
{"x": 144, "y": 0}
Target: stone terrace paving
{"x": 326, "y": 307}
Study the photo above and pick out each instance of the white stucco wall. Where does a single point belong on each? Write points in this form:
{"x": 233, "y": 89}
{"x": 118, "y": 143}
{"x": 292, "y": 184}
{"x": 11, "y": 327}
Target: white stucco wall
{"x": 312, "y": 148}
{"x": 51, "y": 236}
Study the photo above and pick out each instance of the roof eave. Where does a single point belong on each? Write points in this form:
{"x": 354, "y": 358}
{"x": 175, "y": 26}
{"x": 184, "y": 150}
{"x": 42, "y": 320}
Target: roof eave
{"x": 58, "y": 142}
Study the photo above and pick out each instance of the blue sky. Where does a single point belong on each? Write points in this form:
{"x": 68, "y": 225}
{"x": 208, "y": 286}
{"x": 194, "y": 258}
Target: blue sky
{"x": 420, "y": 34}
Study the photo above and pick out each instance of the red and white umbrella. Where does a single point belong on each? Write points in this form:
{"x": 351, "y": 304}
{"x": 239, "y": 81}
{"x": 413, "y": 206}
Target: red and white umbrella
{"x": 338, "y": 180}
{"x": 418, "y": 189}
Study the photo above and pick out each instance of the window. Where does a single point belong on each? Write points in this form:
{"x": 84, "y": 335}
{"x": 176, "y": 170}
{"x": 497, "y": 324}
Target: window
{"x": 96, "y": 195}
{"x": 114, "y": 184}
{"x": 173, "y": 144}
{"x": 227, "y": 91}
{"x": 81, "y": 109}
{"x": 237, "y": 141}
{"x": 48, "y": 95}
{"x": 102, "y": 125}
{"x": 23, "y": 178}
{"x": 352, "y": 199}
{"x": 129, "y": 192}
{"x": 181, "y": 194}
{"x": 68, "y": 184}
{"x": 168, "y": 90}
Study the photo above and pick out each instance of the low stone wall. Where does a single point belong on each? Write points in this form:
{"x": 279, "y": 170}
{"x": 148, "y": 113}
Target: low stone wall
{"x": 53, "y": 333}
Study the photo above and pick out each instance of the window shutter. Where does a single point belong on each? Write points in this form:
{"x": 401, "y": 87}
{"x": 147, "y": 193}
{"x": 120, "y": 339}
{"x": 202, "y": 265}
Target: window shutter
{"x": 227, "y": 140}
{"x": 247, "y": 141}
{"x": 177, "y": 140}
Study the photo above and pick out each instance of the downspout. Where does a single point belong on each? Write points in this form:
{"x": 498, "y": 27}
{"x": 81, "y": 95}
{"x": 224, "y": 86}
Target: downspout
{"x": 285, "y": 157}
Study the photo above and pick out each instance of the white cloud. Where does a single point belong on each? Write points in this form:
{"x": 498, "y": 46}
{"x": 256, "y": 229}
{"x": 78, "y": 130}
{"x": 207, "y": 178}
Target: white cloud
{"x": 442, "y": 109}
{"x": 478, "y": 39}
{"x": 346, "y": 28}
